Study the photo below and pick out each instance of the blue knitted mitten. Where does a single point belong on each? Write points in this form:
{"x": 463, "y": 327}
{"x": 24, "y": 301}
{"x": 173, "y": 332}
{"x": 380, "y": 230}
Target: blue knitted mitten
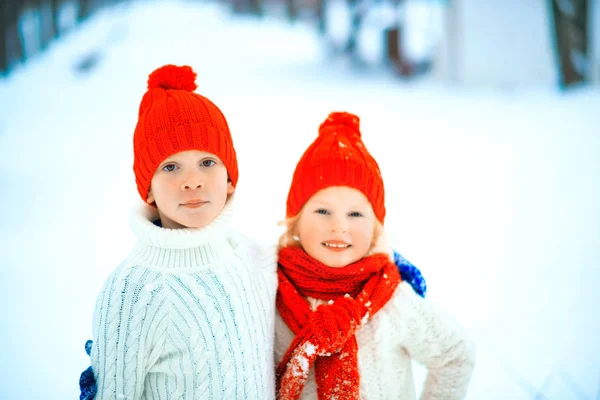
{"x": 410, "y": 274}
{"x": 87, "y": 383}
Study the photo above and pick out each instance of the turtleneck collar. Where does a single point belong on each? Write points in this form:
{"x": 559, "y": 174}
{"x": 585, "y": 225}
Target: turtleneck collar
{"x": 163, "y": 248}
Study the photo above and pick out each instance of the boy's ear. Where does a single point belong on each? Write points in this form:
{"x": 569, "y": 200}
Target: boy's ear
{"x": 150, "y": 198}
{"x": 230, "y": 188}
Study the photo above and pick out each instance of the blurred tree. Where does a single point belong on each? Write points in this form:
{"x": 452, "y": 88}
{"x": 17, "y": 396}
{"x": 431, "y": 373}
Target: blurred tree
{"x": 83, "y": 9}
{"x": 55, "y": 8}
{"x": 3, "y": 37}
{"x": 307, "y": 8}
{"x": 46, "y": 22}
{"x": 571, "y": 38}
{"x": 11, "y": 48}
{"x": 247, "y": 6}
{"x": 87, "y": 7}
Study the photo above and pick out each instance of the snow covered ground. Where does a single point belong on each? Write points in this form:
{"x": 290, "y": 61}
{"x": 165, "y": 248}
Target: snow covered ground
{"x": 493, "y": 194}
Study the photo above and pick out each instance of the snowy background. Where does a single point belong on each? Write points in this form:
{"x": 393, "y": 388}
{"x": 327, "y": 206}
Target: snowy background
{"x": 493, "y": 192}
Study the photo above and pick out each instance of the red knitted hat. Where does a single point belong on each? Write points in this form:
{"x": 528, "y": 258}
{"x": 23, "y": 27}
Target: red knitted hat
{"x": 172, "y": 118}
{"x": 337, "y": 157}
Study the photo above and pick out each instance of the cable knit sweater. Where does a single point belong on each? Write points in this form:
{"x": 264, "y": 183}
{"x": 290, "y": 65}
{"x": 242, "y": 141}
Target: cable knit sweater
{"x": 407, "y": 327}
{"x": 188, "y": 315}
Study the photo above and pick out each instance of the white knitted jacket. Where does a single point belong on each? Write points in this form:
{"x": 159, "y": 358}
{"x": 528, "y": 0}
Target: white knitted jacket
{"x": 407, "y": 327}
{"x": 188, "y": 315}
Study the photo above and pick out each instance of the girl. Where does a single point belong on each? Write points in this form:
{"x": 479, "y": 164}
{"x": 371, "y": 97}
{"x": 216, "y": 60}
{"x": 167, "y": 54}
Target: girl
{"x": 347, "y": 325}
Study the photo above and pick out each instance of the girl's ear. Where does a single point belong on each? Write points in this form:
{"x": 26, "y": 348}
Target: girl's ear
{"x": 230, "y": 188}
{"x": 380, "y": 243}
{"x": 289, "y": 237}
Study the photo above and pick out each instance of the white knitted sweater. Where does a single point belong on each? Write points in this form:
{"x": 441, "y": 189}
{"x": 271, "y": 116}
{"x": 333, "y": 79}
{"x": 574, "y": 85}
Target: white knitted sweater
{"x": 407, "y": 327}
{"x": 188, "y": 315}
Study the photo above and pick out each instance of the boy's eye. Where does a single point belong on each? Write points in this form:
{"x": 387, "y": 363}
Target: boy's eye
{"x": 208, "y": 163}
{"x": 169, "y": 167}
{"x": 322, "y": 211}
{"x": 355, "y": 214}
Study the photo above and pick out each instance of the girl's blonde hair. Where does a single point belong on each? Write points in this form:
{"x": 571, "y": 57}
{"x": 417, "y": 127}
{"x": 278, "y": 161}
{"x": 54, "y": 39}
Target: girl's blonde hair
{"x": 290, "y": 238}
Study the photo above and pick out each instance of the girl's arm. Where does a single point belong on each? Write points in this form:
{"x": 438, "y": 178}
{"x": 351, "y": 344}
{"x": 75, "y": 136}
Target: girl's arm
{"x": 127, "y": 327}
{"x": 436, "y": 340}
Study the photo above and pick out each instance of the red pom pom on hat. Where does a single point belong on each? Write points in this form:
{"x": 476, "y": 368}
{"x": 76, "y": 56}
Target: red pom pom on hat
{"x": 345, "y": 119}
{"x": 173, "y": 77}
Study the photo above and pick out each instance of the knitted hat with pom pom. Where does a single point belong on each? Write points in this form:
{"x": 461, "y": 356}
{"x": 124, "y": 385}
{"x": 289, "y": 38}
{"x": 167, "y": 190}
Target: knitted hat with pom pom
{"x": 337, "y": 157}
{"x": 172, "y": 118}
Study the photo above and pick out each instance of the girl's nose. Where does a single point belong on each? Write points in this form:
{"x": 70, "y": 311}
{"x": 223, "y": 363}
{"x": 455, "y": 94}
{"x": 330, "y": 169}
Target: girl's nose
{"x": 339, "y": 226}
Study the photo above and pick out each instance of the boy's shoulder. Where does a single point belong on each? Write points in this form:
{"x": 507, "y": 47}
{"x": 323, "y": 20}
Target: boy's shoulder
{"x": 131, "y": 283}
{"x": 126, "y": 271}
{"x": 238, "y": 238}
{"x": 258, "y": 247}
{"x": 260, "y": 253}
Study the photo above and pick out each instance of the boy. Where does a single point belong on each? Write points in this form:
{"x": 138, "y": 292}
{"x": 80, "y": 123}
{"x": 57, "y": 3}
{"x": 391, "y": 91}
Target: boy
{"x": 190, "y": 312}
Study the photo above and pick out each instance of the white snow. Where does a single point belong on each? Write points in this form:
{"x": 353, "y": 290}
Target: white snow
{"x": 309, "y": 349}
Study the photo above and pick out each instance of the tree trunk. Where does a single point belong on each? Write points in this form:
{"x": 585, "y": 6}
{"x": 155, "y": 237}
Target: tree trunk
{"x": 571, "y": 38}
{"x": 55, "y": 7}
{"x": 13, "y": 48}
{"x": 3, "y": 37}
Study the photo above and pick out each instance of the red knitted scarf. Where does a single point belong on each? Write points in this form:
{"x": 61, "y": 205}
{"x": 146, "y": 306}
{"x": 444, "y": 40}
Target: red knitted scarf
{"x": 325, "y": 337}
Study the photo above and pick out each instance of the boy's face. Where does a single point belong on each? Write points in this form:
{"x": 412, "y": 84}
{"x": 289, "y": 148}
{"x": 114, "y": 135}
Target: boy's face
{"x": 190, "y": 189}
{"x": 336, "y": 226}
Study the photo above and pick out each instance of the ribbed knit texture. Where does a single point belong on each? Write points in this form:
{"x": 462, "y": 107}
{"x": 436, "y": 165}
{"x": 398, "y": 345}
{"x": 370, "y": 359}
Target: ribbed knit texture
{"x": 407, "y": 328}
{"x": 337, "y": 157}
{"x": 172, "y": 118}
{"x": 325, "y": 337}
{"x": 189, "y": 315}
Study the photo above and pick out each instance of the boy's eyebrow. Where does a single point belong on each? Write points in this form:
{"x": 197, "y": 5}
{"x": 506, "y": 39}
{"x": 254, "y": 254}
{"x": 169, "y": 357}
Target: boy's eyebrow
{"x": 174, "y": 159}
{"x": 167, "y": 161}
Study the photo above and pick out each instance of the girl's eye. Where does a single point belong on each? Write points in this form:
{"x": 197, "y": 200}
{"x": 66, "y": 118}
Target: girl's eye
{"x": 208, "y": 163}
{"x": 355, "y": 214}
{"x": 170, "y": 167}
{"x": 322, "y": 211}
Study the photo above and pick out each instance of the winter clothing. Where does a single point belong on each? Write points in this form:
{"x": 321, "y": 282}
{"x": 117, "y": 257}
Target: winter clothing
{"x": 172, "y": 118}
{"x": 87, "y": 382}
{"x": 325, "y": 337}
{"x": 358, "y": 325}
{"x": 337, "y": 157}
{"x": 408, "y": 273}
{"x": 411, "y": 274}
{"x": 189, "y": 314}
{"x": 407, "y": 328}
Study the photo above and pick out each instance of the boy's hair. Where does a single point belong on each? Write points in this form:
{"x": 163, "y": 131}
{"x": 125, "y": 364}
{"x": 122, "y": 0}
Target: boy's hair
{"x": 337, "y": 157}
{"x": 172, "y": 118}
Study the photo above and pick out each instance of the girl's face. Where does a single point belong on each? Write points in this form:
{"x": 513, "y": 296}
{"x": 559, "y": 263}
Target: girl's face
{"x": 336, "y": 226}
{"x": 190, "y": 189}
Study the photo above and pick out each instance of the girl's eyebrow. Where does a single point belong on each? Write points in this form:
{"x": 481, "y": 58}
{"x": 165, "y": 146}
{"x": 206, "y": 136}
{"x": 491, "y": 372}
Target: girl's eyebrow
{"x": 322, "y": 203}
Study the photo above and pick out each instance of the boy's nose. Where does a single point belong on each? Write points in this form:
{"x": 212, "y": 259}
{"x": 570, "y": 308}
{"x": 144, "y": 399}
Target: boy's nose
{"x": 192, "y": 186}
{"x": 192, "y": 182}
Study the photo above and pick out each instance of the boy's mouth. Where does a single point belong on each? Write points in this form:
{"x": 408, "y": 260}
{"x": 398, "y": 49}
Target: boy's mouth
{"x": 194, "y": 203}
